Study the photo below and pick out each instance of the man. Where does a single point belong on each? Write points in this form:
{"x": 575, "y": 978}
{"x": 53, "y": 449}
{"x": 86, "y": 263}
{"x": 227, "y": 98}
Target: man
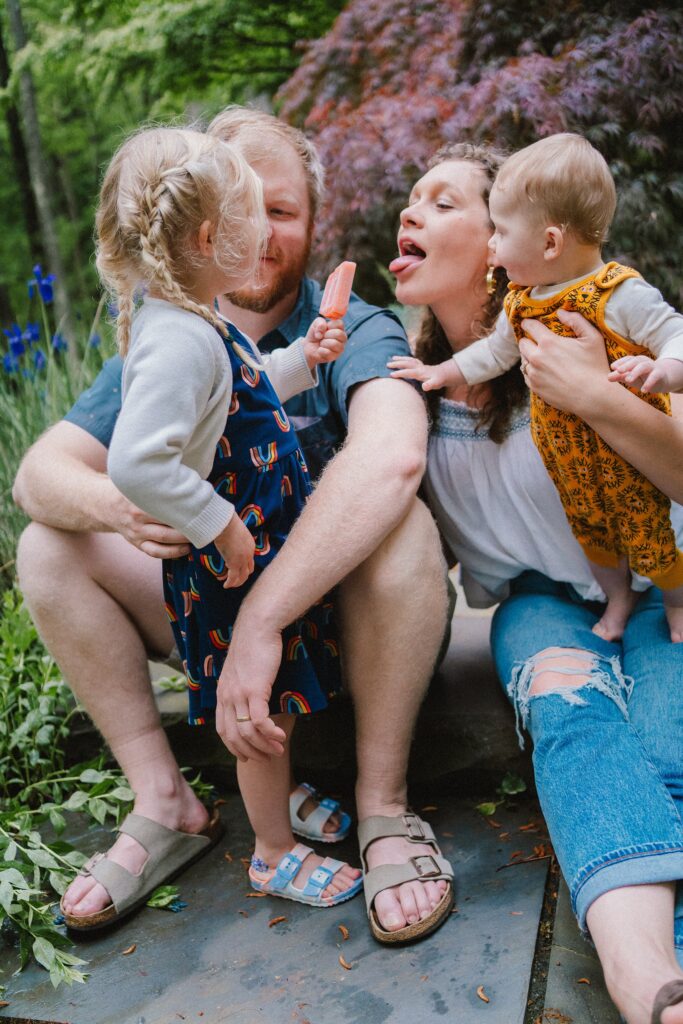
{"x": 90, "y": 568}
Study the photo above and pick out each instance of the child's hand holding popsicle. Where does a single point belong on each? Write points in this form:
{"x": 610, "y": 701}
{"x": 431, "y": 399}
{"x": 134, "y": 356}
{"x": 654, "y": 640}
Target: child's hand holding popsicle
{"x": 326, "y": 338}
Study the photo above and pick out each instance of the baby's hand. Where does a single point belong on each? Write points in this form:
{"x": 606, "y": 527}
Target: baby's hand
{"x": 647, "y": 374}
{"x": 433, "y": 377}
{"x": 324, "y": 341}
{"x": 237, "y": 546}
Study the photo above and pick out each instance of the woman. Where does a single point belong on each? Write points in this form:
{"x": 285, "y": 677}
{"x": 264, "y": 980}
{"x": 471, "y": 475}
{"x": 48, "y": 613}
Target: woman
{"x": 606, "y": 718}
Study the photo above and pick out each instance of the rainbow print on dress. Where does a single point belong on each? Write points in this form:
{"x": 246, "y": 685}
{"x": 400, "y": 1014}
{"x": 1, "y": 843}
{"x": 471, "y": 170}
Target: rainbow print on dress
{"x": 282, "y": 421}
{"x": 223, "y": 448}
{"x": 249, "y": 376}
{"x": 264, "y": 456}
{"x": 219, "y": 641}
{"x": 234, "y": 404}
{"x": 295, "y": 649}
{"x": 226, "y": 485}
{"x": 215, "y": 565}
{"x": 293, "y": 703}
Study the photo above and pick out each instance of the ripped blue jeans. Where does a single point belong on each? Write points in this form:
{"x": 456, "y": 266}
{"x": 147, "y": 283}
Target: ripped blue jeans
{"x": 608, "y": 755}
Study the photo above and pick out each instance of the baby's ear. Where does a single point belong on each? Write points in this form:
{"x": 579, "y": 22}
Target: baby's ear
{"x": 554, "y": 242}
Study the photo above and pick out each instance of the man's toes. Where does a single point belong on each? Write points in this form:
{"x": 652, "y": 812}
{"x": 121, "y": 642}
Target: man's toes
{"x": 409, "y": 904}
{"x": 92, "y": 902}
{"x": 78, "y": 889}
{"x": 433, "y": 893}
{"x": 389, "y": 911}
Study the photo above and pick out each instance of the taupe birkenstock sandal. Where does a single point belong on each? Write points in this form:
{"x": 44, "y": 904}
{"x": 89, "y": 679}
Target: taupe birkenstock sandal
{"x": 669, "y": 995}
{"x": 423, "y": 867}
{"x": 168, "y": 854}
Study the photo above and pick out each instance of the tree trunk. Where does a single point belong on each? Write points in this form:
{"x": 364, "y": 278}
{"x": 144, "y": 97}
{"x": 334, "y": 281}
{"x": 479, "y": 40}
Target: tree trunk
{"x": 20, "y": 161}
{"x": 38, "y": 174}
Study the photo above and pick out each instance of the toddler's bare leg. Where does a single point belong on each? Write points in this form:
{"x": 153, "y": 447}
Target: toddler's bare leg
{"x": 673, "y": 606}
{"x": 265, "y": 788}
{"x": 621, "y": 599}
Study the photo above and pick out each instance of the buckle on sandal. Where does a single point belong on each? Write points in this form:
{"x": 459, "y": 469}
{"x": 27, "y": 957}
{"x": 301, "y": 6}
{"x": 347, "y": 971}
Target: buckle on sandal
{"x": 426, "y": 866}
{"x": 413, "y": 826}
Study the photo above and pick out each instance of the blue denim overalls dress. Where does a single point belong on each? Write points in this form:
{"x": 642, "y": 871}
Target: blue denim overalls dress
{"x": 259, "y": 467}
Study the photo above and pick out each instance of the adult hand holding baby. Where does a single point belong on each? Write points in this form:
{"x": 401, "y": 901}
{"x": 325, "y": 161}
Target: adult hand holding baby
{"x": 565, "y": 371}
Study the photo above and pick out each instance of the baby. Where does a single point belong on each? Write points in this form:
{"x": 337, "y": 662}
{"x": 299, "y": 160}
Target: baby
{"x": 551, "y": 207}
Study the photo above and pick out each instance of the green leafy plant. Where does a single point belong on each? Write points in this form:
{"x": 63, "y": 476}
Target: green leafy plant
{"x": 510, "y": 785}
{"x": 38, "y": 794}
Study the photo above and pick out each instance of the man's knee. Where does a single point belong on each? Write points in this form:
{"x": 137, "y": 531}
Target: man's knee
{"x": 409, "y": 557}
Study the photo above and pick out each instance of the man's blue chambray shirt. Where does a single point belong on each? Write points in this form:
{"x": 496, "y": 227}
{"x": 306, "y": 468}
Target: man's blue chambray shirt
{"x": 320, "y": 415}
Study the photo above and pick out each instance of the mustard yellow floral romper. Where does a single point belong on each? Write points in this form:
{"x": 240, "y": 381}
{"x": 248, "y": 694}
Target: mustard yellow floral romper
{"x": 612, "y": 509}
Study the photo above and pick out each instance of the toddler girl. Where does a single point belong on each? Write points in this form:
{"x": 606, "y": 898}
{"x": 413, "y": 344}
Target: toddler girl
{"x": 202, "y": 443}
{"x": 551, "y": 206}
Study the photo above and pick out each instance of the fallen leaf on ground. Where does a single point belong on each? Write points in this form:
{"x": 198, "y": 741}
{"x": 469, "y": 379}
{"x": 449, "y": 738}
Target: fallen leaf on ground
{"x": 227, "y": 856}
{"x": 493, "y": 823}
{"x": 516, "y": 853}
{"x": 243, "y": 913}
{"x": 131, "y": 949}
{"x": 220, "y": 802}
{"x": 424, "y": 977}
{"x": 344, "y": 931}
{"x": 276, "y": 920}
{"x": 246, "y": 861}
{"x": 255, "y": 895}
{"x": 448, "y": 835}
{"x": 342, "y": 961}
{"x": 529, "y": 827}
{"x": 504, "y": 835}
{"x": 583, "y": 981}
{"x": 482, "y": 995}
{"x": 3, "y": 1002}
{"x": 454, "y": 910}
{"x": 516, "y": 913}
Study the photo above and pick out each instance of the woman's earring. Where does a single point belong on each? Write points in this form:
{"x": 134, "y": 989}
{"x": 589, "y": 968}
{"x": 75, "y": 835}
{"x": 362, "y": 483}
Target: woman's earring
{"x": 491, "y": 283}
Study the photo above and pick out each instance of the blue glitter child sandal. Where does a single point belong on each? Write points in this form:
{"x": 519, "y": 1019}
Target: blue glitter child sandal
{"x": 313, "y": 825}
{"x": 279, "y": 881}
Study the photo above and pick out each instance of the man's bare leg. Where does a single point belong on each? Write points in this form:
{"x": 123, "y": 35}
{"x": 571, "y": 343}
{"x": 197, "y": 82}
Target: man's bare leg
{"x": 96, "y": 601}
{"x": 394, "y": 609}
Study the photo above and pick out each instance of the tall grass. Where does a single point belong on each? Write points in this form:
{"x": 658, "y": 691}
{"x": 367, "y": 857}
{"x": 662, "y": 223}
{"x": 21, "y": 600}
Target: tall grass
{"x": 41, "y": 375}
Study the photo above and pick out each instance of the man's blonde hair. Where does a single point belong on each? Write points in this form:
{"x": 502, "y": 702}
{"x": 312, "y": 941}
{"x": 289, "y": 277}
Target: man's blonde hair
{"x": 160, "y": 187}
{"x": 566, "y": 181}
{"x": 254, "y": 132}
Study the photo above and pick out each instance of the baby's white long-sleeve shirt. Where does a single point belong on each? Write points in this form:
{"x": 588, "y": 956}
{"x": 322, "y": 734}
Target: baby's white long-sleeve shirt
{"x": 635, "y": 310}
{"x": 177, "y": 383}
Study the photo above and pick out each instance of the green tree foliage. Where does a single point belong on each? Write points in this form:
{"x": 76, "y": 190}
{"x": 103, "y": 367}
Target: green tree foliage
{"x": 394, "y": 80}
{"x": 101, "y": 69}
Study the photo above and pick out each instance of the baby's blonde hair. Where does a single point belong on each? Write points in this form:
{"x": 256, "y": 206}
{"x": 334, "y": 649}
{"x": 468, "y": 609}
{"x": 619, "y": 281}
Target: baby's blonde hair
{"x": 159, "y": 188}
{"x": 566, "y": 181}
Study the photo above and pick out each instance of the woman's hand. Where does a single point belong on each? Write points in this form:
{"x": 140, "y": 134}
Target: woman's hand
{"x": 565, "y": 372}
{"x": 236, "y": 545}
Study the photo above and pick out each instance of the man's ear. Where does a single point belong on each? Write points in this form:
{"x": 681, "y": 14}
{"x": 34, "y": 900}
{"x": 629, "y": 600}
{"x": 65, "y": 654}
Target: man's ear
{"x": 205, "y": 239}
{"x": 554, "y": 242}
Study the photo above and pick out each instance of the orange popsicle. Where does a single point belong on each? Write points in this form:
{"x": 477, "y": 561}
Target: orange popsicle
{"x": 338, "y": 291}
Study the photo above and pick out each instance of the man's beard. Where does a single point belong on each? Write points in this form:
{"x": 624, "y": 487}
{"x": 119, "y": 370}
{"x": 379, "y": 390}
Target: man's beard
{"x": 288, "y": 275}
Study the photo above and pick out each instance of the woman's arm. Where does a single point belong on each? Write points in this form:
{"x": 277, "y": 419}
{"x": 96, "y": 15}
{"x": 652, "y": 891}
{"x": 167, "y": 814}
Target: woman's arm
{"x": 571, "y": 374}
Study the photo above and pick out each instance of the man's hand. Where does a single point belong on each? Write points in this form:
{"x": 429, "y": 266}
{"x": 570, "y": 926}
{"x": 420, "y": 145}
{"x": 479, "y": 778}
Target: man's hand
{"x": 652, "y": 376}
{"x": 237, "y": 547}
{"x": 155, "y": 539}
{"x": 244, "y": 688}
{"x": 324, "y": 341}
{"x": 443, "y": 375}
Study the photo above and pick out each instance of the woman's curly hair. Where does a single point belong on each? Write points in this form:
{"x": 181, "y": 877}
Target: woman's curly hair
{"x": 509, "y": 392}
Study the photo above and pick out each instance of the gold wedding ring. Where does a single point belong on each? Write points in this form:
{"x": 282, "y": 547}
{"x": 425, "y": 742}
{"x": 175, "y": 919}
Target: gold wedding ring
{"x": 242, "y": 718}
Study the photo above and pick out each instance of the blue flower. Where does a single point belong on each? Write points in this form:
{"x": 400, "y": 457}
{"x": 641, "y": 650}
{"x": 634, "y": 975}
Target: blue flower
{"x": 59, "y": 343}
{"x": 43, "y": 284}
{"x": 95, "y": 341}
{"x": 31, "y": 334}
{"x": 39, "y": 360}
{"x": 10, "y": 363}
{"x": 16, "y": 344}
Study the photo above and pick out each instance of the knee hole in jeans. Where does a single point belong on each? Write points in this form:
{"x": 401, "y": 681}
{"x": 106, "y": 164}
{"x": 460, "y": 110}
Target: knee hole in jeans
{"x": 567, "y": 666}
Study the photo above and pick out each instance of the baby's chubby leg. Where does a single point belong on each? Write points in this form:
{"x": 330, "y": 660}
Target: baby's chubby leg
{"x": 265, "y": 787}
{"x": 673, "y": 606}
{"x": 621, "y": 600}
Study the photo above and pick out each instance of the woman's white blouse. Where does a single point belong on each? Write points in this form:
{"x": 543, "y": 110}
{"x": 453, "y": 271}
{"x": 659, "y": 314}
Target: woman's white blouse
{"x": 498, "y": 510}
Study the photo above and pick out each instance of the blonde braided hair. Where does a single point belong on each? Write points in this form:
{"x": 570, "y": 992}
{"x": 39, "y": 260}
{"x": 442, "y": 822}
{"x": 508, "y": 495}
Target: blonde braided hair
{"x": 161, "y": 186}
